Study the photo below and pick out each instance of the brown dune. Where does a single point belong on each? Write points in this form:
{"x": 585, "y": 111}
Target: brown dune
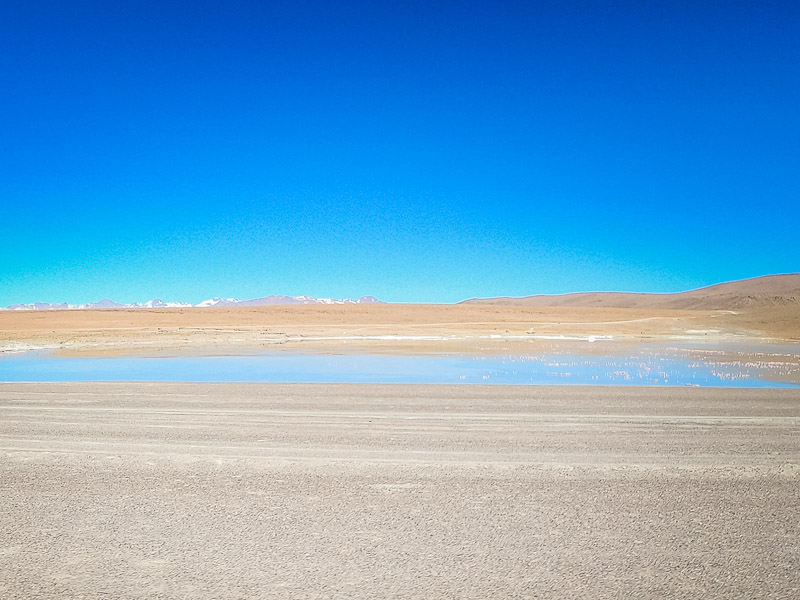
{"x": 768, "y": 291}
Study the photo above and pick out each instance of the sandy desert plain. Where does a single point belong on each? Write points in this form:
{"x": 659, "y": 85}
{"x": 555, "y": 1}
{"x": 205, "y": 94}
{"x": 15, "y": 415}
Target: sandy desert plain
{"x": 251, "y": 490}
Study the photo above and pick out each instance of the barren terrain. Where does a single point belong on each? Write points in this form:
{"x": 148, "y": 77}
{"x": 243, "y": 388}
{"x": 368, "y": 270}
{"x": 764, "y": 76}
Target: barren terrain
{"x": 764, "y": 309}
{"x": 383, "y": 327}
{"x": 302, "y": 491}
{"x": 746, "y": 294}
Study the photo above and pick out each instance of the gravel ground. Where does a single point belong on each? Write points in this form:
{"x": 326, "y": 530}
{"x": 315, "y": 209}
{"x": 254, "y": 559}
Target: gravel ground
{"x": 151, "y": 490}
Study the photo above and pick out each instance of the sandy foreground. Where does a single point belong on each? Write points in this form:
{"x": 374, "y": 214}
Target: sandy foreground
{"x": 152, "y": 490}
{"x": 384, "y": 328}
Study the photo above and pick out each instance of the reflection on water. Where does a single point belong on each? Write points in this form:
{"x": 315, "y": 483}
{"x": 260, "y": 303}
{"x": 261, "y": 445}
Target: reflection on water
{"x": 645, "y": 366}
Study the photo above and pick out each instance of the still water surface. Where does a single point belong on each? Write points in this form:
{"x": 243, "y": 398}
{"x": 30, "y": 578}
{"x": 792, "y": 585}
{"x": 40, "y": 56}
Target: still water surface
{"x": 641, "y": 367}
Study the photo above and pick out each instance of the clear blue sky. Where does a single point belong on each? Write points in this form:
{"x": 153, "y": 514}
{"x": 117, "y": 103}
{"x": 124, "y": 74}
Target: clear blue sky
{"x": 415, "y": 151}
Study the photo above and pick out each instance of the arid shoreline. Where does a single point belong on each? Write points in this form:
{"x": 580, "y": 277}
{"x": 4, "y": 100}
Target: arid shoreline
{"x": 381, "y": 328}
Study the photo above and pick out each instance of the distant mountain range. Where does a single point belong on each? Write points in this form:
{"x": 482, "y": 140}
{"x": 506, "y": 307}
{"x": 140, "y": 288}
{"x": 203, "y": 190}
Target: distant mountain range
{"x": 771, "y": 290}
{"x": 157, "y": 303}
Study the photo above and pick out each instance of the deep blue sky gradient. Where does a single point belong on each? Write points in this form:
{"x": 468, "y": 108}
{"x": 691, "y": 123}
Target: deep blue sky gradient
{"x": 415, "y": 151}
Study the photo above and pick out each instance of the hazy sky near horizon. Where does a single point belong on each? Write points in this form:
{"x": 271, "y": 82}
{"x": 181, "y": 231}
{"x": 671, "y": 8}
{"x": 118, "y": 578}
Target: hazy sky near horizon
{"x": 415, "y": 151}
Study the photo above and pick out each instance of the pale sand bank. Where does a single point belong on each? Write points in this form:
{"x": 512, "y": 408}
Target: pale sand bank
{"x": 275, "y": 491}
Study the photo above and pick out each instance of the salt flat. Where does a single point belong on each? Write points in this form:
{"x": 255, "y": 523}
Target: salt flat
{"x": 130, "y": 490}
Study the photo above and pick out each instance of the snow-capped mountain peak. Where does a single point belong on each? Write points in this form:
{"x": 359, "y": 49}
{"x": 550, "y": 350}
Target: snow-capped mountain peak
{"x": 218, "y": 302}
{"x": 107, "y": 304}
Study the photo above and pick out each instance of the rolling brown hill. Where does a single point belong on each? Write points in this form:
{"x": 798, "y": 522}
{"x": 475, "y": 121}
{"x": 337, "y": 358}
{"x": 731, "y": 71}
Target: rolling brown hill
{"x": 768, "y": 291}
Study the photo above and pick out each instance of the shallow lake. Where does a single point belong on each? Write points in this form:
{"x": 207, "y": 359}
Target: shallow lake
{"x": 751, "y": 367}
